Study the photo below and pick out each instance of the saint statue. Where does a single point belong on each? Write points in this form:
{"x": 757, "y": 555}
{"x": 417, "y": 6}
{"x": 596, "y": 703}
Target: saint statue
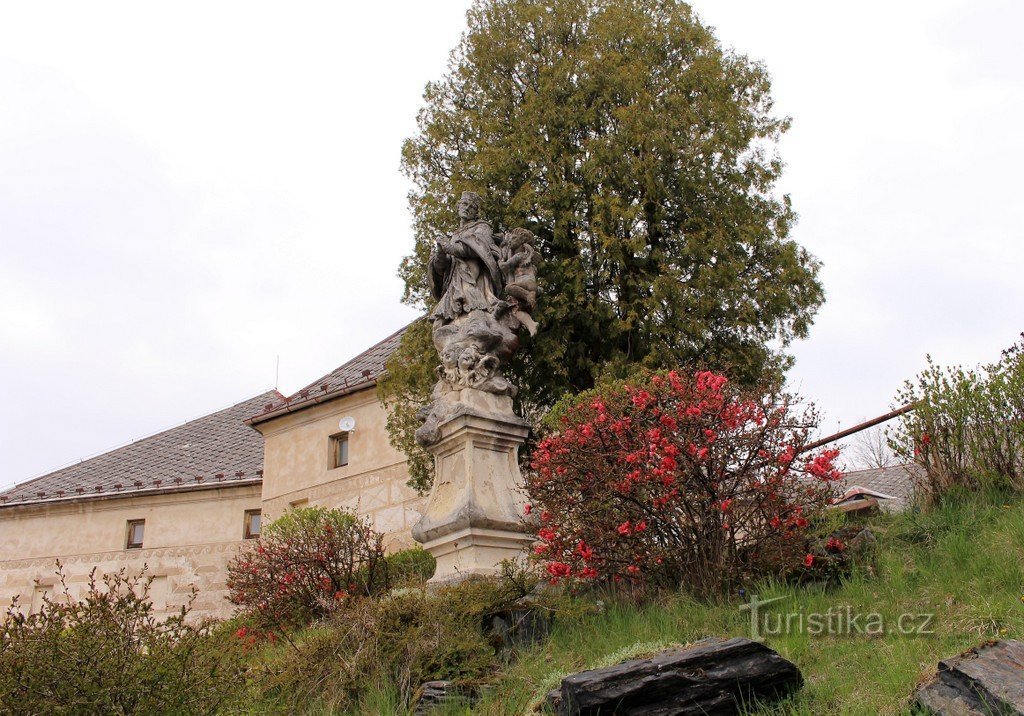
{"x": 486, "y": 289}
{"x": 463, "y": 272}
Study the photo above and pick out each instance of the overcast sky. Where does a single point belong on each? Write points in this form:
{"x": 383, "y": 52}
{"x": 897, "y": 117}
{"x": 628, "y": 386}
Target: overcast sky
{"x": 190, "y": 190}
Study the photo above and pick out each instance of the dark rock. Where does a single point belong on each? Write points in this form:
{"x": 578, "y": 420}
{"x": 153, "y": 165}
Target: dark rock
{"x": 863, "y": 543}
{"x": 712, "y": 676}
{"x": 983, "y": 681}
{"x": 433, "y": 694}
{"x": 519, "y": 628}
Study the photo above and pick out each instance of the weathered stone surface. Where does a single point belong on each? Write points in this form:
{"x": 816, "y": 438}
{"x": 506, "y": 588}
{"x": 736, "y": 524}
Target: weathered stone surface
{"x": 984, "y": 681}
{"x": 712, "y": 676}
{"x": 434, "y": 694}
{"x": 485, "y": 284}
{"x": 520, "y": 628}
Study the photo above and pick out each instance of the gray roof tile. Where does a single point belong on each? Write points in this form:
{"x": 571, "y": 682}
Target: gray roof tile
{"x": 216, "y": 449}
{"x": 897, "y": 480}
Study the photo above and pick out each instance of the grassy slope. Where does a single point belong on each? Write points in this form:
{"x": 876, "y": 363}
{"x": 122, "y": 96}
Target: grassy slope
{"x": 964, "y": 562}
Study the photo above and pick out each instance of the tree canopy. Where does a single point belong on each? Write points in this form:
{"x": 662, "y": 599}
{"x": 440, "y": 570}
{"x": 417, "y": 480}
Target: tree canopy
{"x": 643, "y": 156}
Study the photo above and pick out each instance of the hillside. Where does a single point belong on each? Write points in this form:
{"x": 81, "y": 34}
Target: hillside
{"x": 963, "y": 563}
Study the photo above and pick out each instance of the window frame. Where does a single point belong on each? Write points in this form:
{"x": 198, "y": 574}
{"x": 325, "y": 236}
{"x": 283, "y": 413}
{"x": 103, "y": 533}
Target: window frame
{"x": 333, "y": 444}
{"x": 128, "y": 544}
{"x": 247, "y": 532}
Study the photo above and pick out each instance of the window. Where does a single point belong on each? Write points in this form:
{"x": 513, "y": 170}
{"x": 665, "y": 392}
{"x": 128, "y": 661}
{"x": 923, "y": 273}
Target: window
{"x": 136, "y": 528}
{"x": 252, "y": 523}
{"x": 339, "y": 450}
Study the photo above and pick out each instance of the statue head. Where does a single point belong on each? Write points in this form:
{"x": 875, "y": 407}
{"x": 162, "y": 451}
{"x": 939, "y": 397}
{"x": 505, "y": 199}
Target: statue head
{"x": 469, "y": 206}
{"x": 469, "y": 357}
{"x": 517, "y": 238}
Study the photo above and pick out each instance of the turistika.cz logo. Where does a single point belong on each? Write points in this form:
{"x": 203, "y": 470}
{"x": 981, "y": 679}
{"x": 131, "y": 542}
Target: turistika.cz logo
{"x": 841, "y": 620}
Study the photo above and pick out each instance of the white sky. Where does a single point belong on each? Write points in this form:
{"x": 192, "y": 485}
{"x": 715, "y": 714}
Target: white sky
{"x": 188, "y": 190}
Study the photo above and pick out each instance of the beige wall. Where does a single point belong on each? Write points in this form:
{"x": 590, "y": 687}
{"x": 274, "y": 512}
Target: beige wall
{"x": 296, "y": 466}
{"x": 189, "y": 538}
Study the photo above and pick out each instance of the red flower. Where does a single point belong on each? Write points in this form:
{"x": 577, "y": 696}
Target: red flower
{"x": 559, "y": 569}
{"x": 809, "y": 560}
{"x": 527, "y": 508}
{"x": 584, "y": 551}
{"x": 241, "y": 633}
{"x": 835, "y": 545}
{"x": 624, "y": 528}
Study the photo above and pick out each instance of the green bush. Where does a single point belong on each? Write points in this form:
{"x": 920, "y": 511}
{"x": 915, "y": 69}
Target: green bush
{"x": 391, "y": 644}
{"x": 107, "y": 653}
{"x": 410, "y": 567}
{"x": 967, "y": 429}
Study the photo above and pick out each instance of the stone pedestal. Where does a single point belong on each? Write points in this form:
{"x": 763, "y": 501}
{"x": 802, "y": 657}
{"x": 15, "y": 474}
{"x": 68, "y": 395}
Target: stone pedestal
{"x": 474, "y": 516}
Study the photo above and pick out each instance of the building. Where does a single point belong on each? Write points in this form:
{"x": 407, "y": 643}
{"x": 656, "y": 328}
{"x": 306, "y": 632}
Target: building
{"x": 183, "y": 501}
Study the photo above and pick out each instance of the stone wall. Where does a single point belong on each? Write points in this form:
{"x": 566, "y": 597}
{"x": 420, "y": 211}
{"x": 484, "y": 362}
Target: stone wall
{"x": 189, "y": 539}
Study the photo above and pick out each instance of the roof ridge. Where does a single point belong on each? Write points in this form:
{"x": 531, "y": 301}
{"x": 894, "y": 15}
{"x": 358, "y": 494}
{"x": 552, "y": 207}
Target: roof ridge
{"x": 903, "y": 465}
{"x": 353, "y": 359}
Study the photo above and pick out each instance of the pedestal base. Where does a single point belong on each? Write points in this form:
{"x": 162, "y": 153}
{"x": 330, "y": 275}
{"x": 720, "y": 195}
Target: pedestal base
{"x": 474, "y": 517}
{"x": 475, "y": 553}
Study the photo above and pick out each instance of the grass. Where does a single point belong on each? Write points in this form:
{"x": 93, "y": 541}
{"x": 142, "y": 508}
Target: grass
{"x": 962, "y": 563}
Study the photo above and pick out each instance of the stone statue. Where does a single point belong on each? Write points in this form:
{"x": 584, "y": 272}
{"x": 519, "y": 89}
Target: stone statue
{"x": 485, "y": 284}
{"x": 486, "y": 290}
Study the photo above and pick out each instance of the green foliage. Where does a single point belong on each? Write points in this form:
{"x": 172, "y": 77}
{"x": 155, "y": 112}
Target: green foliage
{"x": 378, "y": 651}
{"x": 642, "y": 155}
{"x": 410, "y": 567}
{"x": 967, "y": 429}
{"x": 109, "y": 653}
{"x": 403, "y": 389}
{"x": 305, "y": 564}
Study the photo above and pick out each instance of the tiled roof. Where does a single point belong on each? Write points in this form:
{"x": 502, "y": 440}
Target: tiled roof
{"x": 897, "y": 481}
{"x": 362, "y": 371}
{"x": 213, "y": 450}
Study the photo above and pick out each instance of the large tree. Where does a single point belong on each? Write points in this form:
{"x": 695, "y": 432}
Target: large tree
{"x": 643, "y": 156}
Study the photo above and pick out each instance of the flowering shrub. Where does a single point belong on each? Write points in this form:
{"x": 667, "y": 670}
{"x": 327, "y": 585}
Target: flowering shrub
{"x": 109, "y": 653}
{"x": 967, "y": 427}
{"x": 677, "y": 480}
{"x": 305, "y": 564}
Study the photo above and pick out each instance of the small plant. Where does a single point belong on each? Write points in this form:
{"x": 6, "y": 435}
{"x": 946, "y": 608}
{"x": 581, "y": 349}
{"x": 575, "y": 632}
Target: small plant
{"x": 305, "y": 564}
{"x": 967, "y": 428}
{"x": 108, "y": 653}
{"x": 677, "y": 480}
{"x": 410, "y": 567}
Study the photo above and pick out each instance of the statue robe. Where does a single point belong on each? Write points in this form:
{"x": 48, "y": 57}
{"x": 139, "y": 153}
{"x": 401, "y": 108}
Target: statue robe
{"x": 467, "y": 278}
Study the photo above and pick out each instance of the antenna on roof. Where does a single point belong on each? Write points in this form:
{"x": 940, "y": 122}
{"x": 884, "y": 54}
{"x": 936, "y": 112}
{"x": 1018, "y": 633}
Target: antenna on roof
{"x": 277, "y": 372}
